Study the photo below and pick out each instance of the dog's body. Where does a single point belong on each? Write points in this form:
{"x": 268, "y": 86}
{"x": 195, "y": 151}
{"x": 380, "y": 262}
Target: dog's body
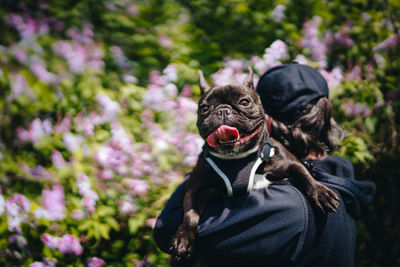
{"x": 232, "y": 122}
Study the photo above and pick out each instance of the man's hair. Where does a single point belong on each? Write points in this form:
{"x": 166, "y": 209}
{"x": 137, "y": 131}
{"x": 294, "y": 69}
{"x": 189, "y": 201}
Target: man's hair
{"x": 315, "y": 130}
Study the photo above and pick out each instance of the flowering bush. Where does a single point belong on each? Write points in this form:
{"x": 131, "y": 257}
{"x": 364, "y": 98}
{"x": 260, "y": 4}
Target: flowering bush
{"x": 98, "y": 110}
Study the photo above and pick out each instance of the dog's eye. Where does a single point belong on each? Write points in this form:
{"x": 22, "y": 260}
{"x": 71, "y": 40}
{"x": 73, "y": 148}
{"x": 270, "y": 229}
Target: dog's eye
{"x": 204, "y": 108}
{"x": 244, "y": 102}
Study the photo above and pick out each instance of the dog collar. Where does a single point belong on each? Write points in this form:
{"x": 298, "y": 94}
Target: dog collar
{"x": 238, "y": 174}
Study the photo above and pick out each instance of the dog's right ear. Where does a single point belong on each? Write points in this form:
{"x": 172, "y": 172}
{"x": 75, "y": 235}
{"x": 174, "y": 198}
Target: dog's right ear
{"x": 204, "y": 87}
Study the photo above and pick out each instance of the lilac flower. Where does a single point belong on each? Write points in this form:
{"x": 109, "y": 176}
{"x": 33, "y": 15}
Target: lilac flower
{"x": 313, "y": 42}
{"x": 157, "y": 99}
{"x": 354, "y": 74}
{"x": 170, "y": 73}
{"x": 58, "y": 160}
{"x": 151, "y": 222}
{"x": 334, "y": 77}
{"x": 119, "y": 57}
{"x": 53, "y": 202}
{"x": 19, "y": 240}
{"x": 67, "y": 244}
{"x": 72, "y": 142}
{"x": 2, "y": 204}
{"x": 18, "y": 86}
{"x": 77, "y": 215}
{"x": 191, "y": 147}
{"x": 128, "y": 78}
{"x": 63, "y": 126}
{"x": 157, "y": 79}
{"x": 36, "y": 130}
{"x": 138, "y": 187}
{"x": 356, "y": 109}
{"x": 96, "y": 262}
{"x": 127, "y": 206}
{"x": 388, "y": 42}
{"x": 40, "y": 172}
{"x": 342, "y": 37}
{"x": 273, "y": 56}
{"x": 89, "y": 197}
{"x": 278, "y": 14}
{"x": 39, "y": 69}
{"x": 301, "y": 59}
{"x": 106, "y": 174}
{"x": 165, "y": 41}
{"x": 17, "y": 206}
{"x": 222, "y": 77}
{"x": 110, "y": 108}
{"x": 46, "y": 263}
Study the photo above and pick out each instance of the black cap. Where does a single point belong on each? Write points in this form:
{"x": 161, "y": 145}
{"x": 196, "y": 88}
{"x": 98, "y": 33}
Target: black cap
{"x": 286, "y": 89}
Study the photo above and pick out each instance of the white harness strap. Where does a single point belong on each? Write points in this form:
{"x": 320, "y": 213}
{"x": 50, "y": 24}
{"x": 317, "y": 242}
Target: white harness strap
{"x": 226, "y": 180}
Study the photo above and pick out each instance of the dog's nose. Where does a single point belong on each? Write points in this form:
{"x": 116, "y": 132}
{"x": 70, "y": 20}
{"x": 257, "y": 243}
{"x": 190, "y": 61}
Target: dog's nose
{"x": 224, "y": 112}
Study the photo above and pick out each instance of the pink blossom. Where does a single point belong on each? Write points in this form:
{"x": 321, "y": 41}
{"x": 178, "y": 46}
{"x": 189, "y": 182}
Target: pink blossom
{"x": 64, "y": 125}
{"x": 128, "y": 78}
{"x": 165, "y": 41}
{"x": 67, "y": 244}
{"x": 72, "y": 142}
{"x": 278, "y": 14}
{"x": 89, "y": 196}
{"x": 151, "y": 222}
{"x": 157, "y": 79}
{"x": 110, "y": 108}
{"x": 53, "y": 202}
{"x": 388, "y": 42}
{"x": 17, "y": 207}
{"x": 58, "y": 160}
{"x": 127, "y": 206}
{"x": 36, "y": 130}
{"x": 356, "y": 109}
{"x": 39, "y": 69}
{"x": 137, "y": 186}
{"x": 77, "y": 214}
{"x": 2, "y": 204}
{"x": 354, "y": 74}
{"x": 312, "y": 41}
{"x": 119, "y": 57}
{"x": 18, "y": 87}
{"x": 19, "y": 240}
{"x": 334, "y": 77}
{"x": 96, "y": 262}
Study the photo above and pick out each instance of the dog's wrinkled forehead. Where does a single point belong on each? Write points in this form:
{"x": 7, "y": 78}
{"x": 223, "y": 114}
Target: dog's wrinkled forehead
{"x": 228, "y": 93}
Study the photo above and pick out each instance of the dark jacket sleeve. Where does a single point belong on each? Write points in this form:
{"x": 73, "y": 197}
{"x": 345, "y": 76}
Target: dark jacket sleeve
{"x": 268, "y": 224}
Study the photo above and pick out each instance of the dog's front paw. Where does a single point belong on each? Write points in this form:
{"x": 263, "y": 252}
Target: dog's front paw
{"x": 324, "y": 198}
{"x": 182, "y": 245}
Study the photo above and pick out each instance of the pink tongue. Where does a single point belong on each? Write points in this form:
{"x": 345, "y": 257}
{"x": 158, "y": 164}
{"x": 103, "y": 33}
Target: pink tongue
{"x": 224, "y": 133}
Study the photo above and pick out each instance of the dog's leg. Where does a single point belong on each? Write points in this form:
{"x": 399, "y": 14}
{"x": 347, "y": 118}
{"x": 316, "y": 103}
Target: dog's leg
{"x": 182, "y": 244}
{"x": 324, "y": 198}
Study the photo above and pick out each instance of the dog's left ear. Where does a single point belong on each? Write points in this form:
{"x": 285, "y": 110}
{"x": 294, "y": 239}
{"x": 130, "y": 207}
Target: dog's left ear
{"x": 249, "y": 79}
{"x": 204, "y": 87}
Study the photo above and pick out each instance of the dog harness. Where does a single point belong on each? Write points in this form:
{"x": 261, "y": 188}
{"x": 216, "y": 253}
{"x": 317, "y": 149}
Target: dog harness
{"x": 238, "y": 174}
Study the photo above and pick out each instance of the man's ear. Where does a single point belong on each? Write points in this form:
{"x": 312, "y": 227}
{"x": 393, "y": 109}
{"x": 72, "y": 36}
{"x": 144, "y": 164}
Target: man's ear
{"x": 204, "y": 87}
{"x": 249, "y": 79}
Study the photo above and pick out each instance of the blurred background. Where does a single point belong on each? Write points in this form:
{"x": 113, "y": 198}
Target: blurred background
{"x": 98, "y": 109}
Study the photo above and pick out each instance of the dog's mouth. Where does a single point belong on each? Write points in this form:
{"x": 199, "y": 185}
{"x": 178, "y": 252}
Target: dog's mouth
{"x": 229, "y": 136}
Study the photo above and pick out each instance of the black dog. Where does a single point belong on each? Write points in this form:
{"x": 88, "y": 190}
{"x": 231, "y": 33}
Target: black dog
{"x": 231, "y": 120}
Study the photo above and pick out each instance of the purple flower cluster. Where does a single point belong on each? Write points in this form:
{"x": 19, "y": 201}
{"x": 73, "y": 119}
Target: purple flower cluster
{"x": 53, "y": 204}
{"x": 278, "y": 14}
{"x": 96, "y": 262}
{"x": 273, "y": 56}
{"x": 89, "y": 196}
{"x": 313, "y": 42}
{"x": 67, "y": 244}
{"x": 388, "y": 42}
{"x": 356, "y": 109}
{"x": 17, "y": 208}
{"x": 35, "y": 131}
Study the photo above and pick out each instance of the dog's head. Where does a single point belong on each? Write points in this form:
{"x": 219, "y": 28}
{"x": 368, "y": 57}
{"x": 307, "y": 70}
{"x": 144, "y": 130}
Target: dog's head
{"x": 231, "y": 118}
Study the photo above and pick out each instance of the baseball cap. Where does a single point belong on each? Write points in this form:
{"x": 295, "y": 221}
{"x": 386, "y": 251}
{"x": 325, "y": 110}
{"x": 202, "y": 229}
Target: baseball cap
{"x": 286, "y": 89}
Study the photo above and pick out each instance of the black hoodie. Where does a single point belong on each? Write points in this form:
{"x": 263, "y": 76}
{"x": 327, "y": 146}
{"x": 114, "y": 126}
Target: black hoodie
{"x": 276, "y": 226}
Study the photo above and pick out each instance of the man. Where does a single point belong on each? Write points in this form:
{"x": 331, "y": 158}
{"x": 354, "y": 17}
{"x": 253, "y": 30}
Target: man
{"x": 276, "y": 225}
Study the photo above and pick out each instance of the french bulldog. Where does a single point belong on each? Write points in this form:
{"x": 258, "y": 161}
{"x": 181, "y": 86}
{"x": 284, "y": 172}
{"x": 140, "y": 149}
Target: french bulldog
{"x": 232, "y": 122}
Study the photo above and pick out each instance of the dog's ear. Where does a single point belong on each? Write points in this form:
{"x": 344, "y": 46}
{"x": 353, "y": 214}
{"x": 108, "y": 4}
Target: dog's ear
{"x": 249, "y": 79}
{"x": 204, "y": 87}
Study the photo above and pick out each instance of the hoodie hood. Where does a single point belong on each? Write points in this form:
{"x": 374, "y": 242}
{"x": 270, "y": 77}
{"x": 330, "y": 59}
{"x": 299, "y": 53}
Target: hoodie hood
{"x": 338, "y": 173}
